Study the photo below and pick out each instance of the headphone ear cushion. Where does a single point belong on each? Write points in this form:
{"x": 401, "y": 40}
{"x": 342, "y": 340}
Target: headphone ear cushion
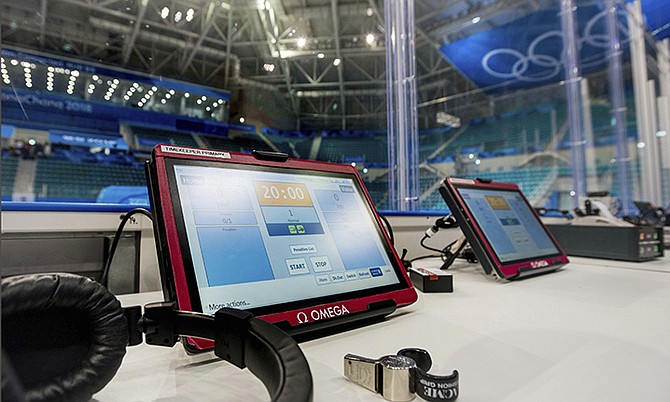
{"x": 64, "y": 334}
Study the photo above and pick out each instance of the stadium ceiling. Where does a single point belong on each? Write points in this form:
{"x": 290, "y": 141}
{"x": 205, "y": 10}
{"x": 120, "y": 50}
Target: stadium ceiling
{"x": 326, "y": 58}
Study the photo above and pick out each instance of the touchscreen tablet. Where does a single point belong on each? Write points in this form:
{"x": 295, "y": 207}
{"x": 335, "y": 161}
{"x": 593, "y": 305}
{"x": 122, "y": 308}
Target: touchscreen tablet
{"x": 503, "y": 229}
{"x": 294, "y": 242}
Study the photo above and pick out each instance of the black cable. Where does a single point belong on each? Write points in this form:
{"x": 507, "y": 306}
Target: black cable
{"x": 428, "y": 247}
{"x": 408, "y": 263}
{"x": 450, "y": 257}
{"x": 117, "y": 238}
{"x": 389, "y": 229}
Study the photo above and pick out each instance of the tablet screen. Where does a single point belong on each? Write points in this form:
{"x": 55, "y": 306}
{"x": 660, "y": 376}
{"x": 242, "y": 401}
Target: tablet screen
{"x": 509, "y": 225}
{"x": 262, "y": 237}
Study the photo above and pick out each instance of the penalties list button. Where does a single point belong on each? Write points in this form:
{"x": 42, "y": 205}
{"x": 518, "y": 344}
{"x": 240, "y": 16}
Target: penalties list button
{"x": 303, "y": 249}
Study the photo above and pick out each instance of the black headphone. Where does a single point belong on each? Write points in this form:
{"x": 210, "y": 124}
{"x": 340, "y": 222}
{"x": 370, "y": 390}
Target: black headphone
{"x": 64, "y": 337}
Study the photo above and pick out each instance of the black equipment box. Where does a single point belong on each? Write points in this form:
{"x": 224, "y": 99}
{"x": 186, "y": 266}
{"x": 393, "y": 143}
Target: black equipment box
{"x": 635, "y": 243}
{"x": 431, "y": 281}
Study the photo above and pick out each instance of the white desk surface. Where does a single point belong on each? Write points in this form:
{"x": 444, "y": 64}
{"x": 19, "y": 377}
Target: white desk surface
{"x": 595, "y": 331}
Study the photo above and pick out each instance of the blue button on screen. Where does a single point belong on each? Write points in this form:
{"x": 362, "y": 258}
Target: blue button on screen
{"x": 376, "y": 271}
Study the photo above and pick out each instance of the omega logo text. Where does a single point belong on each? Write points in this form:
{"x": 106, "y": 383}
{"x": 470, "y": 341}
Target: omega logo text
{"x": 322, "y": 313}
{"x": 539, "y": 264}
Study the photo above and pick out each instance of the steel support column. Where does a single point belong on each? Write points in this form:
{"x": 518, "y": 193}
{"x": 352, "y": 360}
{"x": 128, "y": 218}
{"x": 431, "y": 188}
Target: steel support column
{"x": 618, "y": 104}
{"x": 401, "y": 106}
{"x": 574, "y": 100}
{"x": 649, "y": 183}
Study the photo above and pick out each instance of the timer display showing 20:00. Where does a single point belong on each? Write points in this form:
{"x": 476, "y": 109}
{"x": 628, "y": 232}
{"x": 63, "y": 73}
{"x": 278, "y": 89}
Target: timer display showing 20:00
{"x": 278, "y": 193}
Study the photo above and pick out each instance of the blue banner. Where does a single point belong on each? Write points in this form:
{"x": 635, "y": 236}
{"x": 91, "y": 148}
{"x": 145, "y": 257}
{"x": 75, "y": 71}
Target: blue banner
{"x": 7, "y": 131}
{"x": 53, "y": 111}
{"x": 529, "y": 51}
{"x": 87, "y": 140}
{"x": 657, "y": 17}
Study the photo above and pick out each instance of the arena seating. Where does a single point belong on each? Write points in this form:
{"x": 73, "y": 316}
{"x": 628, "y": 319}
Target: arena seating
{"x": 148, "y": 137}
{"x": 9, "y": 164}
{"x": 61, "y": 180}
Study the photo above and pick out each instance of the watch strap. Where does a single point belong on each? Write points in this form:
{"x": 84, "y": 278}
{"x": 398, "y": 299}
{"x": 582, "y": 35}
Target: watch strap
{"x": 431, "y": 387}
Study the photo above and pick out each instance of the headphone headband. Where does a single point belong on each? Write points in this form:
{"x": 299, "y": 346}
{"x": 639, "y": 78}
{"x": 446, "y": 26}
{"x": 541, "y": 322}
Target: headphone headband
{"x": 246, "y": 341}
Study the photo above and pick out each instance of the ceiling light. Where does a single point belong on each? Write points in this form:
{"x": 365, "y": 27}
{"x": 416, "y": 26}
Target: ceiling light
{"x": 302, "y": 42}
{"x": 476, "y": 20}
{"x": 165, "y": 12}
{"x": 199, "y": 102}
{"x": 641, "y": 145}
{"x": 14, "y": 62}
{"x": 225, "y": 6}
{"x": 177, "y": 16}
{"x": 186, "y": 94}
{"x": 369, "y": 39}
{"x": 320, "y": 55}
{"x": 209, "y": 109}
{"x": 369, "y": 12}
{"x": 204, "y": 98}
{"x": 337, "y": 62}
{"x": 241, "y": 119}
{"x": 75, "y": 73}
{"x": 661, "y": 133}
{"x": 273, "y": 40}
{"x": 154, "y": 89}
{"x": 268, "y": 6}
{"x": 163, "y": 101}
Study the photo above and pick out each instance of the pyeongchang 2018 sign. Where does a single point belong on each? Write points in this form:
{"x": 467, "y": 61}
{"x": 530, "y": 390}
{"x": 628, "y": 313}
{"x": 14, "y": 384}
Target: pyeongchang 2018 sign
{"x": 47, "y": 103}
{"x": 529, "y": 51}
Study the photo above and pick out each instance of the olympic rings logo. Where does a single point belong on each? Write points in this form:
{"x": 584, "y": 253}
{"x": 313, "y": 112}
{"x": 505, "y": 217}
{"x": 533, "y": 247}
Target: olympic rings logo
{"x": 547, "y": 66}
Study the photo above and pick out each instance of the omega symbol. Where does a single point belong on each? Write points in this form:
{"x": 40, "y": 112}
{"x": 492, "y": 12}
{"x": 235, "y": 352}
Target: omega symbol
{"x": 302, "y": 318}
